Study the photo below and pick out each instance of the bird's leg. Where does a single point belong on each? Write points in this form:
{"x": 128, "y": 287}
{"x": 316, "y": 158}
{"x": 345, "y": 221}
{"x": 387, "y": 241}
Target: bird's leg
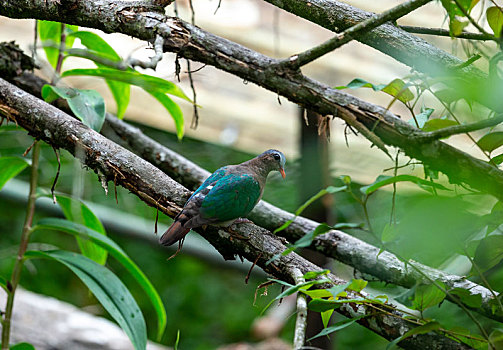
{"x": 243, "y": 221}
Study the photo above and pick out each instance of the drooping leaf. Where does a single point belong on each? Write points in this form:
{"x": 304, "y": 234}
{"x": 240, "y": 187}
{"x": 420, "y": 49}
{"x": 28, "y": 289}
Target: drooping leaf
{"x": 50, "y": 33}
{"x": 467, "y": 298}
{"x": 120, "y": 91}
{"x": 325, "y": 317}
{"x": 489, "y": 252}
{"x": 107, "y": 288}
{"x": 87, "y": 105}
{"x": 358, "y": 83}
{"x": 425, "y": 328}
{"x": 489, "y": 142}
{"x": 436, "y": 124}
{"x": 495, "y": 20}
{"x": 114, "y": 250}
{"x": 384, "y": 180}
{"x": 336, "y": 327}
{"x": 22, "y": 346}
{"x": 427, "y": 295}
{"x": 76, "y": 211}
{"x": 397, "y": 88}
{"x": 147, "y": 82}
{"x": 10, "y": 167}
{"x": 173, "y": 109}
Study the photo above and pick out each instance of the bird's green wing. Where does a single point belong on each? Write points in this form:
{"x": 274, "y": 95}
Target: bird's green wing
{"x": 233, "y": 196}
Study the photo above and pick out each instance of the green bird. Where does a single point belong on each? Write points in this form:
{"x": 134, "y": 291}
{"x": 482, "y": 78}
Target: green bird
{"x": 229, "y": 193}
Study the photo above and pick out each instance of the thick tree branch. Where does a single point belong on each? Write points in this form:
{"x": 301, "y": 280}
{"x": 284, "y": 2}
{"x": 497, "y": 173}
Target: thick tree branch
{"x": 111, "y": 161}
{"x": 196, "y": 44}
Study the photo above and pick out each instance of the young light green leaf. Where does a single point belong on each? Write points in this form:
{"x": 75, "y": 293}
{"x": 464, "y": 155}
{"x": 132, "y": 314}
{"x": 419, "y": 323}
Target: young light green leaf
{"x": 325, "y": 317}
{"x": 76, "y": 211}
{"x": 422, "y": 117}
{"x": 22, "y": 346}
{"x": 50, "y": 33}
{"x": 10, "y": 167}
{"x": 147, "y": 82}
{"x": 425, "y": 328}
{"x": 113, "y": 249}
{"x": 467, "y": 298}
{"x": 338, "y": 289}
{"x": 121, "y": 91}
{"x": 301, "y": 286}
{"x": 358, "y": 83}
{"x": 436, "y": 124}
{"x": 356, "y": 285}
{"x": 336, "y": 327}
{"x": 427, "y": 295}
{"x": 313, "y": 274}
{"x": 489, "y": 252}
{"x": 107, "y": 288}
{"x": 320, "y": 305}
{"x": 384, "y": 180}
{"x": 495, "y": 20}
{"x": 87, "y": 105}
{"x": 397, "y": 88}
{"x": 489, "y": 142}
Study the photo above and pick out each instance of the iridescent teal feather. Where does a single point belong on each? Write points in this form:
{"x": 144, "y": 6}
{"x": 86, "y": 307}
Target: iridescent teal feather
{"x": 231, "y": 192}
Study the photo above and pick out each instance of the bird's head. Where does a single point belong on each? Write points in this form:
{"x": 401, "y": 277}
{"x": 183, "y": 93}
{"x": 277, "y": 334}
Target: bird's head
{"x": 274, "y": 160}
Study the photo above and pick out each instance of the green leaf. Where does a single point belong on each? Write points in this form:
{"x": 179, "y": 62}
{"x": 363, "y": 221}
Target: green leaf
{"x": 301, "y": 286}
{"x": 422, "y": 117}
{"x": 358, "y": 83}
{"x": 338, "y": 326}
{"x": 495, "y": 20}
{"x": 3, "y": 284}
{"x": 496, "y": 338}
{"x": 357, "y": 285}
{"x": 108, "y": 289}
{"x": 50, "y": 33}
{"x": 76, "y": 211}
{"x": 436, "y": 124}
{"x": 489, "y": 252}
{"x": 457, "y": 26}
{"x": 397, "y": 88}
{"x": 338, "y": 290}
{"x": 384, "y": 180}
{"x": 425, "y": 328}
{"x": 10, "y": 167}
{"x": 22, "y": 346}
{"x": 313, "y": 274}
{"x": 87, "y": 105}
{"x": 173, "y": 109}
{"x": 120, "y": 91}
{"x": 489, "y": 142}
{"x": 498, "y": 159}
{"x": 467, "y": 298}
{"x": 427, "y": 295}
{"x": 325, "y": 317}
{"x": 113, "y": 249}
{"x": 147, "y": 82}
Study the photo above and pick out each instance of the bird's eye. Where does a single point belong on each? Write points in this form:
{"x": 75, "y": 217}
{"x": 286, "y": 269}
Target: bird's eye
{"x": 276, "y": 156}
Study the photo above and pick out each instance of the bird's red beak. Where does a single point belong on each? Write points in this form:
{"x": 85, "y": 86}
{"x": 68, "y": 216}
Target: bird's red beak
{"x": 282, "y": 172}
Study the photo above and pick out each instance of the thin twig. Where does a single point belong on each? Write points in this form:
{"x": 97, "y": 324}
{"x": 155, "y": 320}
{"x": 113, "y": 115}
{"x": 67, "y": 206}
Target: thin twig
{"x": 458, "y": 129}
{"x": 445, "y": 32}
{"x": 351, "y": 33}
{"x": 152, "y": 63}
{"x": 472, "y": 21}
{"x": 299, "y": 336}
{"x": 247, "y": 278}
{"x": 53, "y": 187}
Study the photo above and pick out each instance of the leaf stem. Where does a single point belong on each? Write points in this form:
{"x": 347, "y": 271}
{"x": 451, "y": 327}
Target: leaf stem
{"x": 27, "y": 229}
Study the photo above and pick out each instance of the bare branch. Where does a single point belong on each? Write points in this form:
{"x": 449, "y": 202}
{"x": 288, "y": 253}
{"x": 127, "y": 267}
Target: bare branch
{"x": 445, "y": 32}
{"x": 299, "y": 336}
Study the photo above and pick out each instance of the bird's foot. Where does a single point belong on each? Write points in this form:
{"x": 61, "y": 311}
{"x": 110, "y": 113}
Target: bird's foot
{"x": 243, "y": 221}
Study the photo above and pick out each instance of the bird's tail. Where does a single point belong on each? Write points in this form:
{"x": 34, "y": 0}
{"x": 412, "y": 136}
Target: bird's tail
{"x": 174, "y": 233}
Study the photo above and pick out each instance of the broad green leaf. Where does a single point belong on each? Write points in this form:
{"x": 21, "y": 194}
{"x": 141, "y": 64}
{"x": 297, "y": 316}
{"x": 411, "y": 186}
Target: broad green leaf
{"x": 498, "y": 159}
{"x": 318, "y": 293}
{"x": 495, "y": 20}
{"x": 313, "y": 274}
{"x": 489, "y": 252}
{"x": 301, "y": 286}
{"x": 427, "y": 295}
{"x": 321, "y": 193}
{"x": 50, "y": 33}
{"x": 397, "y": 88}
{"x": 10, "y": 167}
{"x": 436, "y": 124}
{"x": 107, "y": 288}
{"x": 76, "y": 211}
{"x": 87, "y": 105}
{"x": 384, "y": 180}
{"x": 121, "y": 91}
{"x": 322, "y": 305}
{"x": 325, "y": 317}
{"x": 425, "y": 328}
{"x": 422, "y": 117}
{"x": 147, "y": 82}
{"x": 22, "y": 346}
{"x": 357, "y": 285}
{"x": 489, "y": 142}
{"x": 467, "y": 298}
{"x": 496, "y": 338}
{"x": 113, "y": 249}
{"x": 457, "y": 26}
{"x": 338, "y": 290}
{"x": 337, "y": 326}
{"x": 173, "y": 109}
